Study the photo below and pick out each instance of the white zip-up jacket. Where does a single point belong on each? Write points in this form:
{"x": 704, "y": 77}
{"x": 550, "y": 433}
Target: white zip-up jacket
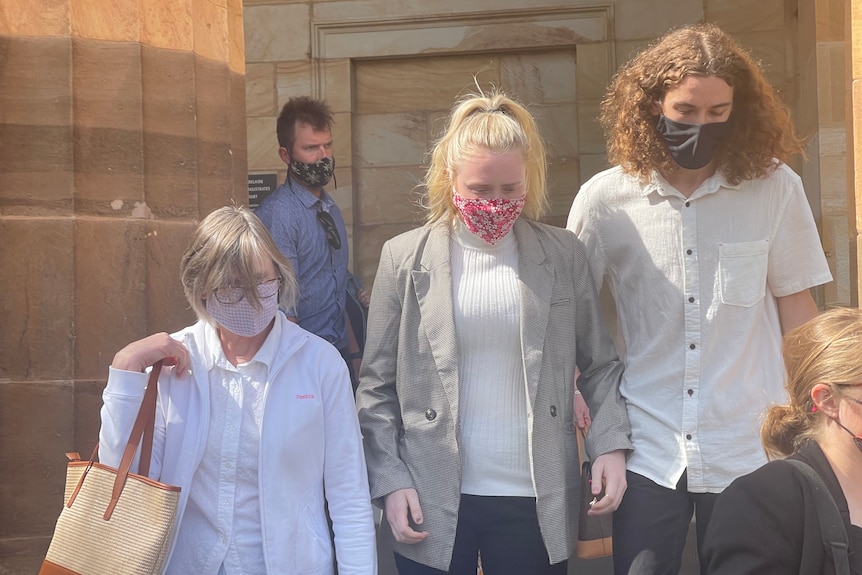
{"x": 310, "y": 440}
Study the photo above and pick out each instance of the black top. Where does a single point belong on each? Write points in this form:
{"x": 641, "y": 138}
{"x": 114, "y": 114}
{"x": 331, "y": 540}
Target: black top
{"x": 767, "y": 522}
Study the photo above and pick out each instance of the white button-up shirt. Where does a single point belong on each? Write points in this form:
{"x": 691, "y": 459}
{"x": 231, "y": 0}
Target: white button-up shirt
{"x": 222, "y": 526}
{"x": 695, "y": 282}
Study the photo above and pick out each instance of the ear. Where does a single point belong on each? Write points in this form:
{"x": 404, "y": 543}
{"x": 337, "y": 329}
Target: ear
{"x": 655, "y": 109}
{"x": 284, "y": 155}
{"x": 824, "y": 398}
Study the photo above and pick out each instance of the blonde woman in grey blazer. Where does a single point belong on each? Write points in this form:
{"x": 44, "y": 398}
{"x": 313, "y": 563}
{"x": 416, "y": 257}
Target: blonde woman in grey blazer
{"x": 477, "y": 323}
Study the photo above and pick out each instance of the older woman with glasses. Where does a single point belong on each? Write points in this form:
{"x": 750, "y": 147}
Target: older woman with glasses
{"x": 255, "y": 417}
{"x": 777, "y": 519}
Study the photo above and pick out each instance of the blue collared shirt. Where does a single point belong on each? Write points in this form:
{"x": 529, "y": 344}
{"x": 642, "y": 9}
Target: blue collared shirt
{"x": 290, "y": 214}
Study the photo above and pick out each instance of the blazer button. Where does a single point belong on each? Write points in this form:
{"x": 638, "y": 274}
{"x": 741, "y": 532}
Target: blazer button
{"x": 553, "y": 411}
{"x": 430, "y": 414}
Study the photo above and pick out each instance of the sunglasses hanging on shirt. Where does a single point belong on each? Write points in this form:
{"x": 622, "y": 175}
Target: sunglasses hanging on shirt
{"x": 332, "y": 235}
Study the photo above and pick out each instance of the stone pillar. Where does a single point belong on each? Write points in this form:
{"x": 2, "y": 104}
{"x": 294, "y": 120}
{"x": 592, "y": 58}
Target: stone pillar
{"x": 821, "y": 115}
{"x": 122, "y": 124}
{"x": 854, "y": 141}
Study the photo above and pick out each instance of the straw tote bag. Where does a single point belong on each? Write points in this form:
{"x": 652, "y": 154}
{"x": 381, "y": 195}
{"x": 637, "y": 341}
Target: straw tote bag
{"x": 594, "y": 531}
{"x": 114, "y": 521}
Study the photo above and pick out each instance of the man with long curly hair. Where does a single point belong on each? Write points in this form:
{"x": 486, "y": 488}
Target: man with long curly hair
{"x": 703, "y": 236}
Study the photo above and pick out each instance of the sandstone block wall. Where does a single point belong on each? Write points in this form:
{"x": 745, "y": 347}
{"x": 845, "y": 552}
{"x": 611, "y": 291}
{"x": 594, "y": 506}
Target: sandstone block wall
{"x": 392, "y": 68}
{"x": 121, "y": 125}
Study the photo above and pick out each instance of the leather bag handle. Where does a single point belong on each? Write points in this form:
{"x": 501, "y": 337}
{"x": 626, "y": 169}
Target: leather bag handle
{"x": 144, "y": 425}
{"x": 582, "y": 448}
{"x": 143, "y": 428}
{"x": 149, "y": 427}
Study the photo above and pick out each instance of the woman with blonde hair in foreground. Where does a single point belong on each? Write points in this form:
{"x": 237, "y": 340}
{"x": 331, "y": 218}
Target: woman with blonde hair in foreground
{"x": 767, "y": 521}
{"x": 477, "y": 322}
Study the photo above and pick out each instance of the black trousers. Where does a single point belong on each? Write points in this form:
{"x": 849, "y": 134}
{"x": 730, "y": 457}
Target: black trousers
{"x": 651, "y": 525}
{"x": 505, "y": 530}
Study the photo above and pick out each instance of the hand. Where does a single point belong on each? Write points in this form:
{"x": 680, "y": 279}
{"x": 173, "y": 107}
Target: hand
{"x": 141, "y": 354}
{"x": 400, "y": 506}
{"x": 582, "y": 413}
{"x": 364, "y": 297}
{"x": 609, "y": 471}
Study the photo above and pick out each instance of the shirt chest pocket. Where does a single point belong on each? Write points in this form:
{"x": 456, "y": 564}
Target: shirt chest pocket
{"x": 742, "y": 272}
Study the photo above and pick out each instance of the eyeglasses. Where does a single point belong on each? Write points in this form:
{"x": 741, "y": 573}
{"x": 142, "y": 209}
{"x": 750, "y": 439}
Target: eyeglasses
{"x": 332, "y": 235}
{"x": 231, "y": 295}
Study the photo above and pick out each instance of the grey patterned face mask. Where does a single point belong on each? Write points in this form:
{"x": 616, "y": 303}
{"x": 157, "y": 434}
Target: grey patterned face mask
{"x": 314, "y": 175}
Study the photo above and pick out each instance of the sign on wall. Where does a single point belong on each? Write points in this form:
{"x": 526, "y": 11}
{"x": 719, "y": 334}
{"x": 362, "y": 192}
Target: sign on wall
{"x": 259, "y": 187}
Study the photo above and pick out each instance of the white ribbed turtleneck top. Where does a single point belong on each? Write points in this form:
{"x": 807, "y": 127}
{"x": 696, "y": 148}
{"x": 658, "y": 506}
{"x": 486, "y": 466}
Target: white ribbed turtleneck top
{"x": 493, "y": 394}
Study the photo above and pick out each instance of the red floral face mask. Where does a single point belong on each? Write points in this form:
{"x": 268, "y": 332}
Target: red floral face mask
{"x": 491, "y": 218}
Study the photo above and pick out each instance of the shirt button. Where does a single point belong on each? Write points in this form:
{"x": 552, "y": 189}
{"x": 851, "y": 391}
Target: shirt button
{"x": 690, "y": 392}
{"x": 688, "y": 435}
{"x": 688, "y": 252}
{"x": 691, "y": 346}
{"x": 690, "y": 300}
{"x": 430, "y": 414}
{"x": 687, "y": 204}
{"x": 553, "y": 411}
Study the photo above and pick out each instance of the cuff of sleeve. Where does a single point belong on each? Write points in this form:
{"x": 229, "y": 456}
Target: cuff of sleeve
{"x": 122, "y": 382}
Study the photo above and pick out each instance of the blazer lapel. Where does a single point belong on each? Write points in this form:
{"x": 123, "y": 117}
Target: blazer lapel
{"x": 433, "y": 285}
{"x": 536, "y": 278}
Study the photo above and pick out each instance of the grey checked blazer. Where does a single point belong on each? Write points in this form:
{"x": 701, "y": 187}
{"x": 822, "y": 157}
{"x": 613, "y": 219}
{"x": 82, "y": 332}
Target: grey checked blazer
{"x": 408, "y": 393}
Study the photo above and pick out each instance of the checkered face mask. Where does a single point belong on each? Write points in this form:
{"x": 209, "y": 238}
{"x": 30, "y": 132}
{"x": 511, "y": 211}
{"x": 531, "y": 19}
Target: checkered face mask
{"x": 241, "y": 317}
{"x": 490, "y": 219}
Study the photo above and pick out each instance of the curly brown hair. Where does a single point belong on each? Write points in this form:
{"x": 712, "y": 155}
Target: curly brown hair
{"x": 761, "y": 130}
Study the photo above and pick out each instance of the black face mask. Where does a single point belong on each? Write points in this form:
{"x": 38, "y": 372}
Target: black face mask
{"x": 856, "y": 439}
{"x": 314, "y": 175}
{"x": 692, "y": 146}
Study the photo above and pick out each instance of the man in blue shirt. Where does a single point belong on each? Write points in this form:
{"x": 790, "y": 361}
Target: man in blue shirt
{"x": 307, "y": 225}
